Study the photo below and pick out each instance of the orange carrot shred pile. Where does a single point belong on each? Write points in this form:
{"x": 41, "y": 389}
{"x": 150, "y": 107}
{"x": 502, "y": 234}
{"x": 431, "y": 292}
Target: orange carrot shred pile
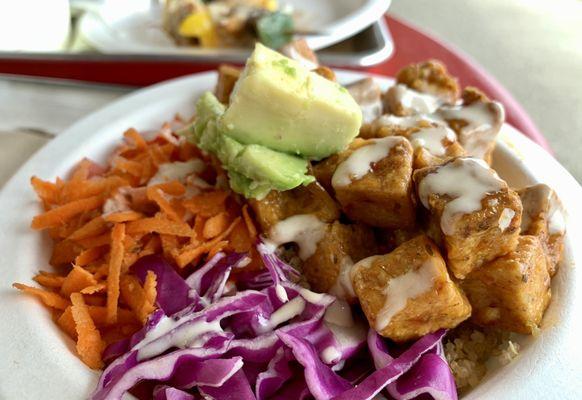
{"x": 105, "y": 218}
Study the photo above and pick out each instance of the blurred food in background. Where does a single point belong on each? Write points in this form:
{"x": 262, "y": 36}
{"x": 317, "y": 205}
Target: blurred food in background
{"x": 227, "y": 23}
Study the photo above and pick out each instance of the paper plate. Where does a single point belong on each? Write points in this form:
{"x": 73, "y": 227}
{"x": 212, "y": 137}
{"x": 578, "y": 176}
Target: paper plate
{"x": 38, "y": 361}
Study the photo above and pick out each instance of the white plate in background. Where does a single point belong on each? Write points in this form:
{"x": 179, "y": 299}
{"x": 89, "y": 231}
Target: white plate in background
{"x": 38, "y": 361}
{"x": 135, "y": 26}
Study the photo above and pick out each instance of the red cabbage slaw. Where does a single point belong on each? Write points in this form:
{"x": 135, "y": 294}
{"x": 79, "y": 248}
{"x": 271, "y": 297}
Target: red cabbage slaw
{"x": 269, "y": 339}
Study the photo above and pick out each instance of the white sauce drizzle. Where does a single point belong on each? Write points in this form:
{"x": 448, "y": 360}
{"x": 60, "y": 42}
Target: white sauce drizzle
{"x": 421, "y": 103}
{"x": 467, "y": 181}
{"x": 330, "y": 354}
{"x": 176, "y": 171}
{"x": 343, "y": 287}
{"x": 505, "y": 218}
{"x": 401, "y": 122}
{"x": 538, "y": 200}
{"x": 432, "y": 139}
{"x": 304, "y": 229}
{"x": 359, "y": 163}
{"x": 311, "y": 296}
{"x": 339, "y": 313}
{"x": 402, "y": 288}
{"x": 481, "y": 118}
{"x": 556, "y": 218}
{"x": 287, "y": 311}
{"x": 281, "y": 293}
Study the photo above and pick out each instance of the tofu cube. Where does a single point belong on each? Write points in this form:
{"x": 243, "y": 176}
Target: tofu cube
{"x": 368, "y": 95}
{"x": 471, "y": 212}
{"x": 310, "y": 199}
{"x": 430, "y": 77}
{"x": 408, "y": 293}
{"x": 543, "y": 216}
{"x": 477, "y": 121}
{"x": 327, "y": 270}
{"x": 227, "y": 77}
{"x": 373, "y": 182}
{"x": 513, "y": 291}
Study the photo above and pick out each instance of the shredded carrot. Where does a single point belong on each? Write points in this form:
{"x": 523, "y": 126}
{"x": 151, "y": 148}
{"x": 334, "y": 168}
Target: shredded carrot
{"x": 173, "y": 188}
{"x": 207, "y": 204}
{"x": 215, "y": 225}
{"x": 77, "y": 280}
{"x": 155, "y": 194}
{"x": 54, "y": 282}
{"x": 136, "y": 138}
{"x": 123, "y": 216}
{"x": 150, "y": 287}
{"x": 249, "y": 222}
{"x": 159, "y": 225}
{"x": 97, "y": 288}
{"x": 90, "y": 255}
{"x": 47, "y": 191}
{"x": 115, "y": 260}
{"x": 67, "y": 323}
{"x": 50, "y": 299}
{"x": 90, "y": 346}
{"x": 62, "y": 214}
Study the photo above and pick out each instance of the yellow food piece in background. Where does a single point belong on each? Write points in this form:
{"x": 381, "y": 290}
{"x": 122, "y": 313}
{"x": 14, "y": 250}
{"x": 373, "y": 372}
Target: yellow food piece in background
{"x": 199, "y": 25}
{"x": 270, "y": 5}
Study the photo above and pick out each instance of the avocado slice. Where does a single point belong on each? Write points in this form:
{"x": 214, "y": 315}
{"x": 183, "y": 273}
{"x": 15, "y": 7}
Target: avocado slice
{"x": 253, "y": 170}
{"x": 281, "y": 105}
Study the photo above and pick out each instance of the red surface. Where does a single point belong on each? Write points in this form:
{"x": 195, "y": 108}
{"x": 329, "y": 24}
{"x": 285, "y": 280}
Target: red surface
{"x": 411, "y": 45}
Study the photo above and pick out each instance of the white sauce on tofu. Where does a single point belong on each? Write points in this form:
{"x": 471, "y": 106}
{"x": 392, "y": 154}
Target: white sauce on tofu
{"x": 480, "y": 118}
{"x": 402, "y": 288}
{"x": 304, "y": 229}
{"x": 541, "y": 201}
{"x": 343, "y": 287}
{"x": 401, "y": 122}
{"x": 286, "y": 312}
{"x": 360, "y": 162}
{"x": 330, "y": 354}
{"x": 368, "y": 95}
{"x": 411, "y": 99}
{"x": 176, "y": 171}
{"x": 432, "y": 139}
{"x": 339, "y": 313}
{"x": 556, "y": 218}
{"x": 505, "y": 219}
{"x": 467, "y": 181}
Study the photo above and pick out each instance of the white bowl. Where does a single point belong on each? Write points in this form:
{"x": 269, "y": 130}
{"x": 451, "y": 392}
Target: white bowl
{"x": 38, "y": 361}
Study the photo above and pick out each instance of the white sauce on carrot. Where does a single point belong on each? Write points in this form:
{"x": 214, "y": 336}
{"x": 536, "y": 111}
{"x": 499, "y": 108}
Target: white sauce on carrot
{"x": 403, "y": 288}
{"x": 505, "y": 218}
{"x": 421, "y": 103}
{"x": 304, "y": 229}
{"x": 467, "y": 181}
{"x": 432, "y": 139}
{"x": 177, "y": 171}
{"x": 343, "y": 288}
{"x": 360, "y": 162}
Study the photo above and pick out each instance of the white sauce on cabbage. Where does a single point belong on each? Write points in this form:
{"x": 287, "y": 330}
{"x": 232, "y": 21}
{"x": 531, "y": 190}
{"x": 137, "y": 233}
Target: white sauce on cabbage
{"x": 339, "y": 313}
{"x": 360, "y": 162}
{"x": 330, "y": 354}
{"x": 402, "y": 288}
{"x": 343, "y": 287}
{"x": 304, "y": 229}
{"x": 467, "y": 181}
{"x": 286, "y": 312}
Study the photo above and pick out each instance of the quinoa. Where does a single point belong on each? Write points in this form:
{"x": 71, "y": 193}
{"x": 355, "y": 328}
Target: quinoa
{"x": 469, "y": 350}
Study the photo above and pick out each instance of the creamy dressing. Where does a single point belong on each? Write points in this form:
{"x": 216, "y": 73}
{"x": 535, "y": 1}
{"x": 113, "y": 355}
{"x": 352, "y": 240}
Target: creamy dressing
{"x": 421, "y": 103}
{"x": 541, "y": 199}
{"x": 281, "y": 293}
{"x": 304, "y": 229}
{"x": 467, "y": 181}
{"x": 339, "y": 313}
{"x": 189, "y": 336}
{"x": 360, "y": 162}
{"x": 505, "y": 218}
{"x": 311, "y": 296}
{"x": 556, "y": 218}
{"x": 477, "y": 135}
{"x": 343, "y": 287}
{"x": 401, "y": 122}
{"x": 176, "y": 171}
{"x": 330, "y": 354}
{"x": 286, "y": 312}
{"x": 432, "y": 139}
{"x": 369, "y": 97}
{"x": 117, "y": 203}
{"x": 403, "y": 288}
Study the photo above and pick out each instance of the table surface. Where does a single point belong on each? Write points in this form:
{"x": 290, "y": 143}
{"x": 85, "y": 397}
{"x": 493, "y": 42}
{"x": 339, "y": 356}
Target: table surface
{"x": 540, "y": 67}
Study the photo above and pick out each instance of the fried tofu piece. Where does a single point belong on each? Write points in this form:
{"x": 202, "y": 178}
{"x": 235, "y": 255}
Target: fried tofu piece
{"x": 471, "y": 212}
{"x": 430, "y": 77}
{"x": 368, "y": 95}
{"x": 310, "y": 199}
{"x": 476, "y": 121}
{"x": 408, "y": 293}
{"x": 512, "y": 292}
{"x": 543, "y": 216}
{"x": 327, "y": 270}
{"x": 373, "y": 182}
{"x": 227, "y": 77}
{"x": 300, "y": 51}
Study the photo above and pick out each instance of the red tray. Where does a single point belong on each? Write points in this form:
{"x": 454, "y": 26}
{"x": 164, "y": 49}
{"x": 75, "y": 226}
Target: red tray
{"x": 411, "y": 45}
